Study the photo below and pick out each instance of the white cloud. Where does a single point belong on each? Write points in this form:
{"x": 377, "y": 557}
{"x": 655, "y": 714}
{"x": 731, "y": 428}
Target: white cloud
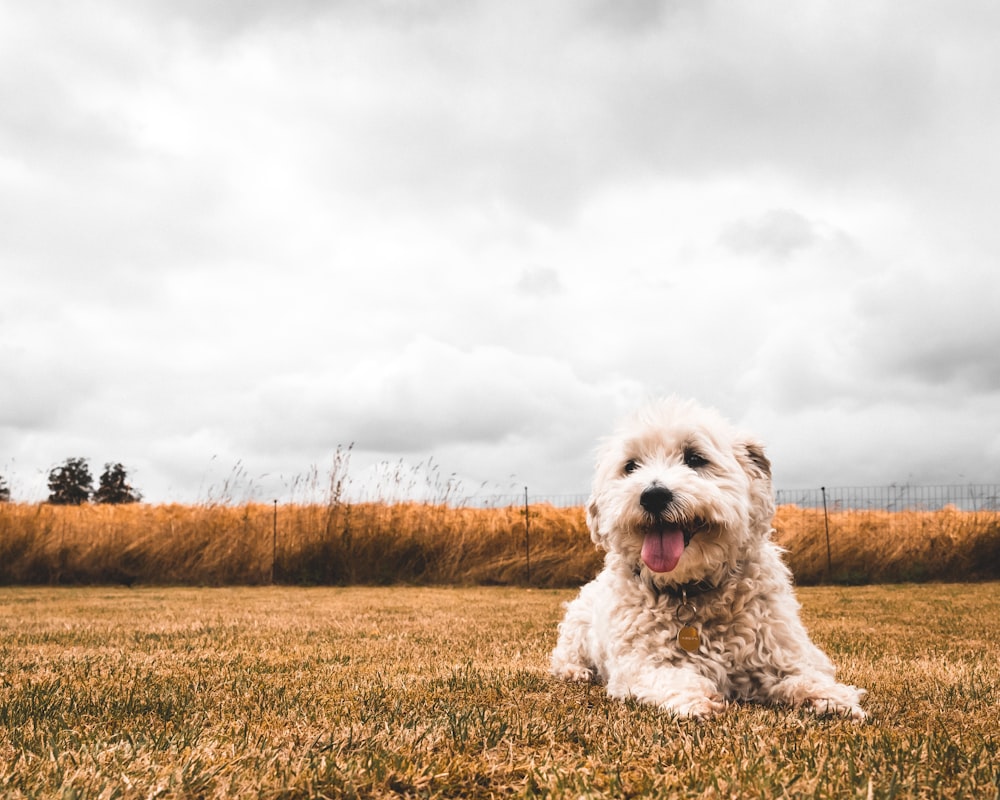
{"x": 431, "y": 395}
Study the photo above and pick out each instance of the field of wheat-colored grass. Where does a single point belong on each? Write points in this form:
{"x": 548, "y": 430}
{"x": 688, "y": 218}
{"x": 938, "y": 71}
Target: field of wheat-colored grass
{"x": 437, "y": 692}
{"x": 435, "y": 543}
{"x": 890, "y": 546}
{"x": 370, "y": 543}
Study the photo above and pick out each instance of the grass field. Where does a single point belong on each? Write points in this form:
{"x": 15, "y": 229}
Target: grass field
{"x": 278, "y": 692}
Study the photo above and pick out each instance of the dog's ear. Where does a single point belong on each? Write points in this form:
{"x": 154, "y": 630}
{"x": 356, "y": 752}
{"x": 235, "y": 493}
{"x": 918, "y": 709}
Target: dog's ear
{"x": 594, "y": 524}
{"x": 750, "y": 454}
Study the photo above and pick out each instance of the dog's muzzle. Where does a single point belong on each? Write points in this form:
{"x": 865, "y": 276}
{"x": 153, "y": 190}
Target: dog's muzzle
{"x": 666, "y": 535}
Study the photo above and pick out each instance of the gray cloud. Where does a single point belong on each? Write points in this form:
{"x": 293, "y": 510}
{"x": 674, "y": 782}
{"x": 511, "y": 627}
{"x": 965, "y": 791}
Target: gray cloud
{"x": 540, "y": 282}
{"x": 933, "y": 331}
{"x": 778, "y": 233}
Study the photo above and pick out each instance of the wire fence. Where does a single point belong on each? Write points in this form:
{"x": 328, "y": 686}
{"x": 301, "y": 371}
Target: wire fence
{"x": 860, "y": 533}
{"x": 511, "y": 500}
{"x": 894, "y": 497}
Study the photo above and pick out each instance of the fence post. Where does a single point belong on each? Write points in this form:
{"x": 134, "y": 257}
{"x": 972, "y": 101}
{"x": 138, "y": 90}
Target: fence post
{"x": 527, "y": 540}
{"x": 274, "y": 541}
{"x": 826, "y": 525}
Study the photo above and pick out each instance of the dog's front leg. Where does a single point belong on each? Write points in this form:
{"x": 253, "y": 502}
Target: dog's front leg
{"x": 678, "y": 690}
{"x": 573, "y": 658}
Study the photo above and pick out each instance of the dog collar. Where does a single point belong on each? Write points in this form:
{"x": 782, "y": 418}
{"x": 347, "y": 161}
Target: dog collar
{"x": 679, "y": 590}
{"x": 684, "y": 590}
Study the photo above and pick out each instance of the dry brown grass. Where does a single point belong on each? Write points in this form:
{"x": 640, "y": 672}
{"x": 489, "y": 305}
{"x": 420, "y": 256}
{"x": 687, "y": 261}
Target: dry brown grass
{"x": 440, "y": 692}
{"x": 434, "y": 543}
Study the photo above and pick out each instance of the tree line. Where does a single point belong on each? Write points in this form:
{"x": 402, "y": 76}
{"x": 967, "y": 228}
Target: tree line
{"x": 71, "y": 484}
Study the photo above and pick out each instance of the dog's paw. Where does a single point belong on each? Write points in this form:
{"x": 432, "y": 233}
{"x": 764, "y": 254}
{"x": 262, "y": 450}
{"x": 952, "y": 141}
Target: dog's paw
{"x": 575, "y": 673}
{"x": 817, "y": 693}
{"x": 694, "y": 706}
{"x": 825, "y": 707}
{"x": 840, "y": 701}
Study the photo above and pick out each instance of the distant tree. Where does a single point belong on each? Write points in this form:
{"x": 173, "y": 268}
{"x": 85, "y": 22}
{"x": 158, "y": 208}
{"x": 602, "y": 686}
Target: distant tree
{"x": 114, "y": 486}
{"x": 4, "y": 490}
{"x": 70, "y": 484}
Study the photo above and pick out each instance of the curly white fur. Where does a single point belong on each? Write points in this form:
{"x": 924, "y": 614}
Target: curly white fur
{"x": 677, "y": 479}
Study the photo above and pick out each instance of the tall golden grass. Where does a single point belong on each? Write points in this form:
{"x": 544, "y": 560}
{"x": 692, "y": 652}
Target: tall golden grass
{"x": 340, "y": 543}
{"x": 434, "y": 543}
{"x": 889, "y": 546}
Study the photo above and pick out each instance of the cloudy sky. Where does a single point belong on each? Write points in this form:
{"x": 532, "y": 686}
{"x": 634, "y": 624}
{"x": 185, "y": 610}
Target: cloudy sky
{"x": 466, "y": 236}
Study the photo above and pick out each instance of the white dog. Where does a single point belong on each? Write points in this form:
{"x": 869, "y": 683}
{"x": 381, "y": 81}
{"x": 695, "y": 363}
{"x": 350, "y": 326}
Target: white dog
{"x": 694, "y": 606}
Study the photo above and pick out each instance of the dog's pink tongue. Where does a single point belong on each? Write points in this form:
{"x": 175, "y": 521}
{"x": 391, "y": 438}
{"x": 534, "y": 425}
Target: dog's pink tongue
{"x": 661, "y": 550}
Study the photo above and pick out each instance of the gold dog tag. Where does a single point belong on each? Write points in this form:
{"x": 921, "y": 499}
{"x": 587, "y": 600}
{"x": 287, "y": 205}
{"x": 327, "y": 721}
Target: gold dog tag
{"x": 689, "y": 639}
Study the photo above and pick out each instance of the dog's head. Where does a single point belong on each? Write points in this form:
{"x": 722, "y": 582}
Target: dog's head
{"x": 679, "y": 494}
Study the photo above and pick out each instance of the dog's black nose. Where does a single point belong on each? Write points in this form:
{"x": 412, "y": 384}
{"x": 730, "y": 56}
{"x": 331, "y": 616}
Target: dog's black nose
{"x": 655, "y": 499}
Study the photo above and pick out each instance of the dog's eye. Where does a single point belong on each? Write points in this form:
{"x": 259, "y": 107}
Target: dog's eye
{"x": 630, "y": 466}
{"x": 694, "y": 459}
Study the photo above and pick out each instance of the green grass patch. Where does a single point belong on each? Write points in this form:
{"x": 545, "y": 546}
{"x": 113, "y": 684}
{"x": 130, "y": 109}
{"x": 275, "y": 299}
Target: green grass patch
{"x": 278, "y": 692}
